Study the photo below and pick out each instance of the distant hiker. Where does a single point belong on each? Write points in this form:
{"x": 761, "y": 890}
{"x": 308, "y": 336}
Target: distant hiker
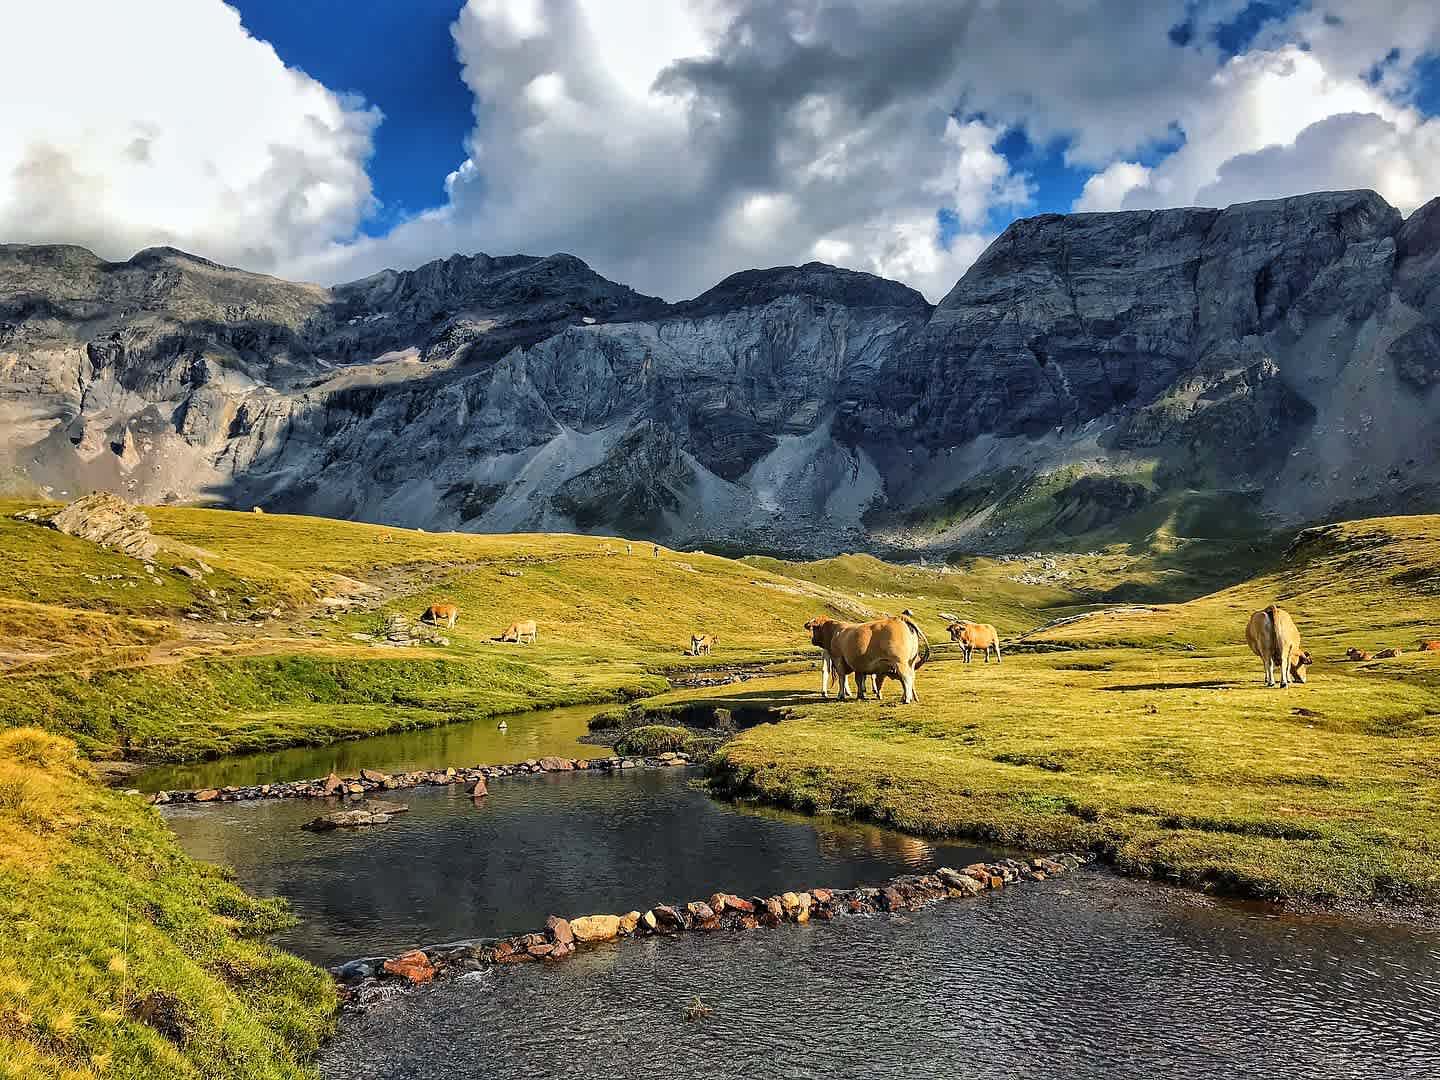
{"x": 657, "y": 551}
{"x": 629, "y": 549}
{"x": 1274, "y": 638}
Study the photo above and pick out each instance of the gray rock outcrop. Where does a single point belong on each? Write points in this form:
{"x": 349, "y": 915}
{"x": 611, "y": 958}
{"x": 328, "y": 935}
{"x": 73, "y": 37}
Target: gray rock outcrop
{"x": 1089, "y": 373}
{"x": 107, "y": 520}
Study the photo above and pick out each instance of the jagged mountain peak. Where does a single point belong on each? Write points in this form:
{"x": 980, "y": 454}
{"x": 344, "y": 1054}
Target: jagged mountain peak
{"x": 850, "y": 288}
{"x": 1089, "y": 372}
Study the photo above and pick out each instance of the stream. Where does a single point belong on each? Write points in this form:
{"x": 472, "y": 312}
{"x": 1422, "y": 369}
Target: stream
{"x": 1084, "y": 976}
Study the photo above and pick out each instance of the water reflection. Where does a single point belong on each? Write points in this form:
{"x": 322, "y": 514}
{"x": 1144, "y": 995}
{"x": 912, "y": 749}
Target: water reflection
{"x": 565, "y": 844}
{"x": 481, "y": 742}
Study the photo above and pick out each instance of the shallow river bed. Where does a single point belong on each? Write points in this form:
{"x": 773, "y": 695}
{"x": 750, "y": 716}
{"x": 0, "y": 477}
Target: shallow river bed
{"x": 1087, "y": 976}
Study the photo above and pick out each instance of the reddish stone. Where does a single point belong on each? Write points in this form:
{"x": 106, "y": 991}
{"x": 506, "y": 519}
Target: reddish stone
{"x": 997, "y": 882}
{"x": 542, "y": 950}
{"x": 774, "y": 912}
{"x": 667, "y": 916}
{"x": 559, "y": 930}
{"x": 748, "y": 922}
{"x": 208, "y": 795}
{"x": 414, "y": 966}
{"x": 479, "y": 790}
{"x": 735, "y": 903}
{"x": 561, "y": 952}
{"x": 332, "y": 784}
{"x": 700, "y": 911}
{"x": 822, "y": 896}
{"x": 891, "y": 900}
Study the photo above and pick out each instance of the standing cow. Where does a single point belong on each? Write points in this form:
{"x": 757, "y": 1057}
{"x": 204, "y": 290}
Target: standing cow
{"x": 972, "y": 636}
{"x": 523, "y": 632}
{"x": 1274, "y": 638}
{"x": 886, "y": 648}
{"x": 702, "y": 644}
{"x": 436, "y": 614}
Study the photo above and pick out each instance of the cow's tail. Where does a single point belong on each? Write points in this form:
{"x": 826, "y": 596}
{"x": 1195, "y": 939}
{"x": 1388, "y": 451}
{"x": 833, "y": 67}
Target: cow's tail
{"x": 924, "y": 642}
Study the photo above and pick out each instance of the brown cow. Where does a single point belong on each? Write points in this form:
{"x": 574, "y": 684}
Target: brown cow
{"x": 886, "y": 647}
{"x": 702, "y": 644}
{"x": 1274, "y": 638}
{"x": 435, "y": 614}
{"x": 1353, "y": 653}
{"x": 972, "y": 636}
{"x": 1430, "y": 646}
{"x": 523, "y": 632}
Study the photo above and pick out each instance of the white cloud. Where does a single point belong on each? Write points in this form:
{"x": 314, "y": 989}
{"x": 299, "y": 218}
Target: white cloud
{"x": 1108, "y": 189}
{"x": 1302, "y": 110}
{"x": 164, "y": 122}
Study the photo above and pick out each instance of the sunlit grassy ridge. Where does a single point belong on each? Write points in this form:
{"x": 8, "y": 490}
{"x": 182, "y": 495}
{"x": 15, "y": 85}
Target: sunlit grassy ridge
{"x": 1150, "y": 736}
{"x": 105, "y": 921}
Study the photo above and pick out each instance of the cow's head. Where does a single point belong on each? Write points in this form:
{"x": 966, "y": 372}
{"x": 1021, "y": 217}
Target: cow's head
{"x": 1299, "y": 664}
{"x": 820, "y": 629}
{"x": 955, "y": 629}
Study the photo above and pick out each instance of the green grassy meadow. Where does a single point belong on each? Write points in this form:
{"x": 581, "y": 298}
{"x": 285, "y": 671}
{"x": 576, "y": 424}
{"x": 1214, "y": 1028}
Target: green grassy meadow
{"x": 1142, "y": 733}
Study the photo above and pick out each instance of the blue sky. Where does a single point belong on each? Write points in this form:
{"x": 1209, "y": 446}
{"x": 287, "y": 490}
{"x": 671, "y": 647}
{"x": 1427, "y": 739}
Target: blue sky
{"x": 400, "y": 57}
{"x": 672, "y": 142}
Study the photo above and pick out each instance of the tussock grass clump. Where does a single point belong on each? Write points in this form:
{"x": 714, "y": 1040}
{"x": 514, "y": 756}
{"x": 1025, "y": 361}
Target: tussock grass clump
{"x": 105, "y": 920}
{"x": 652, "y": 739}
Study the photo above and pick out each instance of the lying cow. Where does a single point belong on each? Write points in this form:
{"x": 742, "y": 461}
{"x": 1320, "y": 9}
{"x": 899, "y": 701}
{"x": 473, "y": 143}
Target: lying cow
{"x": 702, "y": 644}
{"x": 1274, "y": 638}
{"x": 436, "y": 614}
{"x": 1430, "y": 646}
{"x": 523, "y": 632}
{"x": 1386, "y": 654}
{"x": 974, "y": 635}
{"x": 885, "y": 648}
{"x": 1353, "y": 653}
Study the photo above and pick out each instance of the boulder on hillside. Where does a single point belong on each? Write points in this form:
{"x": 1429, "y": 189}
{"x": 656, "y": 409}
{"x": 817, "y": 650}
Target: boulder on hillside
{"x": 111, "y": 522}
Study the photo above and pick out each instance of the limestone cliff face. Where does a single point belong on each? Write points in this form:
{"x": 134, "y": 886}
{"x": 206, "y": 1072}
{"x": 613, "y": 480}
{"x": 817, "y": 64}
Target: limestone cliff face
{"x": 1086, "y": 368}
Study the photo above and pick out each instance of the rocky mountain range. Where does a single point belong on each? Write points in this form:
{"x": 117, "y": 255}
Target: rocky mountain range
{"x": 1091, "y": 376}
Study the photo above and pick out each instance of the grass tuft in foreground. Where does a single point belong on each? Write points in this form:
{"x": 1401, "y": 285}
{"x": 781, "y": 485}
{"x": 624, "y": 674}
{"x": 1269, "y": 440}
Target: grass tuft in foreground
{"x": 123, "y": 958}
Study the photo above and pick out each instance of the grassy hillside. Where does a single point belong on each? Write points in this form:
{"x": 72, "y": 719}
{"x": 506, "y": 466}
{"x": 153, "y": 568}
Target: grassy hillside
{"x": 123, "y": 958}
{"x": 1149, "y": 736}
{"x": 1143, "y": 734}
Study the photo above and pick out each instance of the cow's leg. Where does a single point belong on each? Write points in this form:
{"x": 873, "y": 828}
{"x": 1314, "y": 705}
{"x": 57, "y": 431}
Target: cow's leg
{"x": 1269, "y": 671}
{"x": 843, "y": 671}
{"x": 1284, "y": 669}
{"x": 825, "y": 676}
{"x": 997, "y": 652}
{"x": 907, "y": 682}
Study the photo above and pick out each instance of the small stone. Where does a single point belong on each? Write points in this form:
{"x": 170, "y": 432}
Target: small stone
{"x": 561, "y": 951}
{"x": 541, "y": 950}
{"x": 748, "y": 922}
{"x": 589, "y": 928}
{"x": 373, "y": 776}
{"x": 479, "y": 789}
{"x": 649, "y": 923}
{"x": 556, "y": 764}
{"x": 700, "y": 911}
{"x": 414, "y": 966}
{"x": 207, "y": 795}
{"x": 668, "y": 917}
{"x": 332, "y": 784}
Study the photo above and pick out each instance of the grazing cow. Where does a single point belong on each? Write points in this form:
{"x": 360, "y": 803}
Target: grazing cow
{"x": 1385, "y": 654}
{"x": 1430, "y": 646}
{"x": 1274, "y": 638}
{"x": 974, "y": 635}
{"x": 887, "y": 647}
{"x": 435, "y": 614}
{"x": 1353, "y": 653}
{"x": 523, "y": 632}
{"x": 702, "y": 644}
